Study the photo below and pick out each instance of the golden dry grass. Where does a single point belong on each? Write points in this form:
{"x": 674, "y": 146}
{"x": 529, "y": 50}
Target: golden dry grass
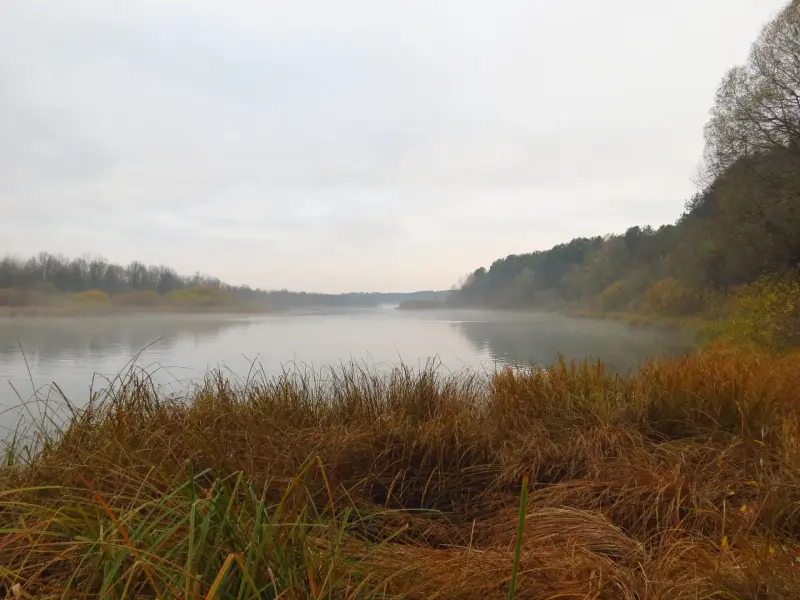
{"x": 679, "y": 482}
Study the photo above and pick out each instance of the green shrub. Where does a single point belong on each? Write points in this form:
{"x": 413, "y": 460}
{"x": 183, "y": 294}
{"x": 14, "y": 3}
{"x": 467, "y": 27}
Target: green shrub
{"x": 616, "y": 296}
{"x": 670, "y": 296}
{"x": 768, "y": 313}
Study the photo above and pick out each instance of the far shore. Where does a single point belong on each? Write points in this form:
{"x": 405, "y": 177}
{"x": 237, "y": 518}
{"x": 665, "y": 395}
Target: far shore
{"x": 11, "y": 312}
{"x": 421, "y": 305}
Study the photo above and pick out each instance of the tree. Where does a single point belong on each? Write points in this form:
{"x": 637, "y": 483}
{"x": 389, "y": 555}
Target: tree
{"x": 750, "y": 208}
{"x": 757, "y": 106}
{"x": 137, "y": 275}
{"x": 520, "y": 291}
{"x": 97, "y": 271}
{"x": 167, "y": 280}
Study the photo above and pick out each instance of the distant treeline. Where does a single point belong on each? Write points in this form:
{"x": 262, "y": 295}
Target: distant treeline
{"x": 48, "y": 273}
{"x": 742, "y": 229}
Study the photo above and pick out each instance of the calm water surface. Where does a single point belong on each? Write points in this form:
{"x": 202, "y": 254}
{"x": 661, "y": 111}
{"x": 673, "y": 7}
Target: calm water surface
{"x": 78, "y": 353}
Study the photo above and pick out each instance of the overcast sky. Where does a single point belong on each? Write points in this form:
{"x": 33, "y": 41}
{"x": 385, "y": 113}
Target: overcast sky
{"x": 337, "y": 145}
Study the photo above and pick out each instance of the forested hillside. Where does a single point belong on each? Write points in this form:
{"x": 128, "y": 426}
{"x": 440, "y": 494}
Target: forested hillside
{"x": 742, "y": 227}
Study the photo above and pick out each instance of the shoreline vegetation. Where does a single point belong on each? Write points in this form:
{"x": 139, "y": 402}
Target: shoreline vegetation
{"x": 52, "y": 284}
{"x": 704, "y": 329}
{"x": 731, "y": 261}
{"x": 680, "y": 481}
{"x": 82, "y": 311}
{"x": 22, "y": 303}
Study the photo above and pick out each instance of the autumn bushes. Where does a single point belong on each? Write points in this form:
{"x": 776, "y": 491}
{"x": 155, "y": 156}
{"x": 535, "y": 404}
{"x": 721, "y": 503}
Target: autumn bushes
{"x": 768, "y": 312}
{"x": 679, "y": 481}
{"x": 668, "y": 296}
{"x": 765, "y": 312}
{"x": 200, "y": 296}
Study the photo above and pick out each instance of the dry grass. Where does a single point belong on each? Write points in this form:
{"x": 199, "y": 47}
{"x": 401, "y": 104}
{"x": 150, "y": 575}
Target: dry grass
{"x": 679, "y": 482}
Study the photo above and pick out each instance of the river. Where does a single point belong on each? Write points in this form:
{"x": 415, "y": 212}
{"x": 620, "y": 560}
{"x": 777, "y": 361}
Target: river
{"x": 80, "y": 353}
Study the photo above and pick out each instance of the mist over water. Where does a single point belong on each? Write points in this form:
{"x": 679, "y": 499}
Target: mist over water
{"x": 79, "y": 354}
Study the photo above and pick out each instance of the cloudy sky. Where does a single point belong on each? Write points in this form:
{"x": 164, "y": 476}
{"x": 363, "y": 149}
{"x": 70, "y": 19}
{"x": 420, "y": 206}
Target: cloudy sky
{"x": 351, "y": 144}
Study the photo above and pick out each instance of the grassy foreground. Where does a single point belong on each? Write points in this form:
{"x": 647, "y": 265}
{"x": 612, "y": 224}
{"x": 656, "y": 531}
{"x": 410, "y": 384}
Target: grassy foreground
{"x": 679, "y": 482}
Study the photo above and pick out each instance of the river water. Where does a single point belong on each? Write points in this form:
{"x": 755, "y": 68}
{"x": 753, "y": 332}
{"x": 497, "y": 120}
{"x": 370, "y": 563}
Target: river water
{"x": 80, "y": 353}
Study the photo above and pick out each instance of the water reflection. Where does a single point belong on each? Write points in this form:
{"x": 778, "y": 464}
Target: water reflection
{"x": 79, "y": 338}
{"x": 525, "y": 339}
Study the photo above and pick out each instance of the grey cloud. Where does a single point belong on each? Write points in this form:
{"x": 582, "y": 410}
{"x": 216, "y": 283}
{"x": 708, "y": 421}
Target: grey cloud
{"x": 36, "y": 146}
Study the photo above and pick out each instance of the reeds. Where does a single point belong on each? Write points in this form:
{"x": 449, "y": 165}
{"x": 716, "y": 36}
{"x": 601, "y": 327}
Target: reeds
{"x": 681, "y": 481}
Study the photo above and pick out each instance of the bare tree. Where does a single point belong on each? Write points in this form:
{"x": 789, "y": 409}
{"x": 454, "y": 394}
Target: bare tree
{"x": 137, "y": 275}
{"x": 97, "y": 270}
{"x": 757, "y": 107}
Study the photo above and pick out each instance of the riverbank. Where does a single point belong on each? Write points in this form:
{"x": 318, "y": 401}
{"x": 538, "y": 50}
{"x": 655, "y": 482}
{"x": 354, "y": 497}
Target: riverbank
{"x": 422, "y": 305}
{"x": 62, "y": 310}
{"x": 680, "y": 481}
{"x": 702, "y": 328}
